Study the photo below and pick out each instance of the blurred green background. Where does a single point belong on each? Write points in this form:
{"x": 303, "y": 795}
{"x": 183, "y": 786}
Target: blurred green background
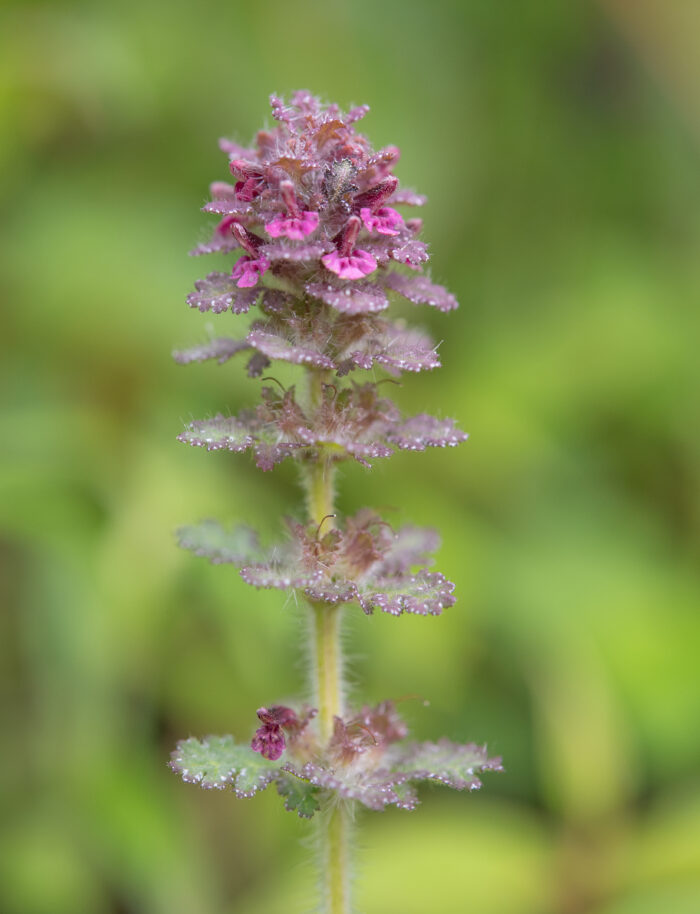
{"x": 558, "y": 145}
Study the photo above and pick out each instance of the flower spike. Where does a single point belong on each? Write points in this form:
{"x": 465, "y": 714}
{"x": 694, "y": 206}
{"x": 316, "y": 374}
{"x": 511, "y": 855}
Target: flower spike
{"x": 313, "y": 216}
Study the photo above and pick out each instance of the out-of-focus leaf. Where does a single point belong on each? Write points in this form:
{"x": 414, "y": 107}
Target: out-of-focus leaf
{"x": 300, "y": 796}
{"x": 218, "y": 762}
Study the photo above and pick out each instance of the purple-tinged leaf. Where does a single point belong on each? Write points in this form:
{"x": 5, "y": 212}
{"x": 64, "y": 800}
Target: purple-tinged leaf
{"x": 344, "y": 442}
{"x": 219, "y": 433}
{"x": 411, "y": 252}
{"x": 218, "y": 292}
{"x": 422, "y": 431}
{"x": 268, "y": 455}
{"x": 332, "y": 592}
{"x": 365, "y": 563}
{"x": 424, "y": 594}
{"x": 275, "y": 301}
{"x": 244, "y": 432}
{"x": 356, "y": 114}
{"x": 211, "y": 541}
{"x": 221, "y": 349}
{"x": 275, "y": 346}
{"x": 232, "y": 148}
{"x": 280, "y": 573}
{"x": 454, "y": 765}
{"x": 408, "y": 198}
{"x": 227, "y": 207}
{"x": 411, "y": 546}
{"x": 350, "y": 298}
{"x": 393, "y": 347}
{"x": 217, "y": 762}
{"x": 374, "y": 789}
{"x": 420, "y": 291}
{"x": 299, "y": 253}
{"x": 219, "y": 244}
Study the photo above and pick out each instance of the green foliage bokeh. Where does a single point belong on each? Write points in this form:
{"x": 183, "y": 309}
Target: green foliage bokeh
{"x": 564, "y": 211}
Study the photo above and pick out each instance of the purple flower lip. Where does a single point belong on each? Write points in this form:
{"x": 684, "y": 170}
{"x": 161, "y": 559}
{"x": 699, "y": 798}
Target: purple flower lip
{"x": 248, "y": 270}
{"x": 347, "y": 261}
{"x": 269, "y": 739}
{"x": 298, "y": 223}
{"x": 385, "y": 220}
{"x": 353, "y": 266}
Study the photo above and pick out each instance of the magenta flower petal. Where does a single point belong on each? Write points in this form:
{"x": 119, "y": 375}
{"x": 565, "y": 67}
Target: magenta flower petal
{"x": 293, "y": 227}
{"x": 247, "y": 271}
{"x": 386, "y": 220}
{"x": 352, "y": 266}
{"x": 269, "y": 742}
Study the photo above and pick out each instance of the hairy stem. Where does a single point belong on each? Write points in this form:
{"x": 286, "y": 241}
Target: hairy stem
{"x": 335, "y": 821}
{"x": 328, "y": 666}
{"x": 327, "y": 680}
{"x": 335, "y": 848}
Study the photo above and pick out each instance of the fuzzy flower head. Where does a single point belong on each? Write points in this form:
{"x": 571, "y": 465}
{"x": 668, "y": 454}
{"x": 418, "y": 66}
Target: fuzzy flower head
{"x": 313, "y": 205}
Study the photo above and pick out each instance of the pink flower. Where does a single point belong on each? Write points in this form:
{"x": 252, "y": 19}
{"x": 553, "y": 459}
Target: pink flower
{"x": 347, "y": 261}
{"x": 251, "y": 266}
{"x": 253, "y": 181}
{"x": 293, "y": 227}
{"x": 385, "y": 220}
{"x": 352, "y": 266}
{"x": 248, "y": 270}
{"x": 298, "y": 224}
{"x": 269, "y": 739}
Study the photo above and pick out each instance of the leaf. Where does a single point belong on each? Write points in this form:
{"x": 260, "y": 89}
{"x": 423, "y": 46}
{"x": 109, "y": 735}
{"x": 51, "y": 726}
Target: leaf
{"x": 395, "y": 348}
{"x": 280, "y": 573}
{"x": 351, "y": 298}
{"x": 300, "y": 796}
{"x": 218, "y": 292}
{"x": 411, "y": 252}
{"x": 366, "y": 563}
{"x": 452, "y": 764}
{"x": 275, "y": 346}
{"x": 408, "y": 198}
{"x": 227, "y": 207}
{"x": 218, "y": 433}
{"x": 219, "y": 244}
{"x": 218, "y": 762}
{"x": 411, "y": 546}
{"x": 422, "y": 431}
{"x": 221, "y": 349}
{"x": 374, "y": 789}
{"x": 424, "y": 594}
{"x": 420, "y": 291}
{"x": 212, "y": 541}
{"x": 295, "y": 253}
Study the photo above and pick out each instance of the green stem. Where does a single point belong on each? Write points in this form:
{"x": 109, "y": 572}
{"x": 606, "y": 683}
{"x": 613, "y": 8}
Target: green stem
{"x": 328, "y": 666}
{"x": 335, "y": 849}
{"x": 327, "y": 679}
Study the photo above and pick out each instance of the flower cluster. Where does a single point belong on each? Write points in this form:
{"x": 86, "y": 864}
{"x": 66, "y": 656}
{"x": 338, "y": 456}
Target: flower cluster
{"x": 367, "y": 562}
{"x": 366, "y": 759}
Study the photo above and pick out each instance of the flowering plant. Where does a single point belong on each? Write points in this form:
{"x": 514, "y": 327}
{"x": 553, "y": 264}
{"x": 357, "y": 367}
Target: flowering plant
{"x": 312, "y": 213}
